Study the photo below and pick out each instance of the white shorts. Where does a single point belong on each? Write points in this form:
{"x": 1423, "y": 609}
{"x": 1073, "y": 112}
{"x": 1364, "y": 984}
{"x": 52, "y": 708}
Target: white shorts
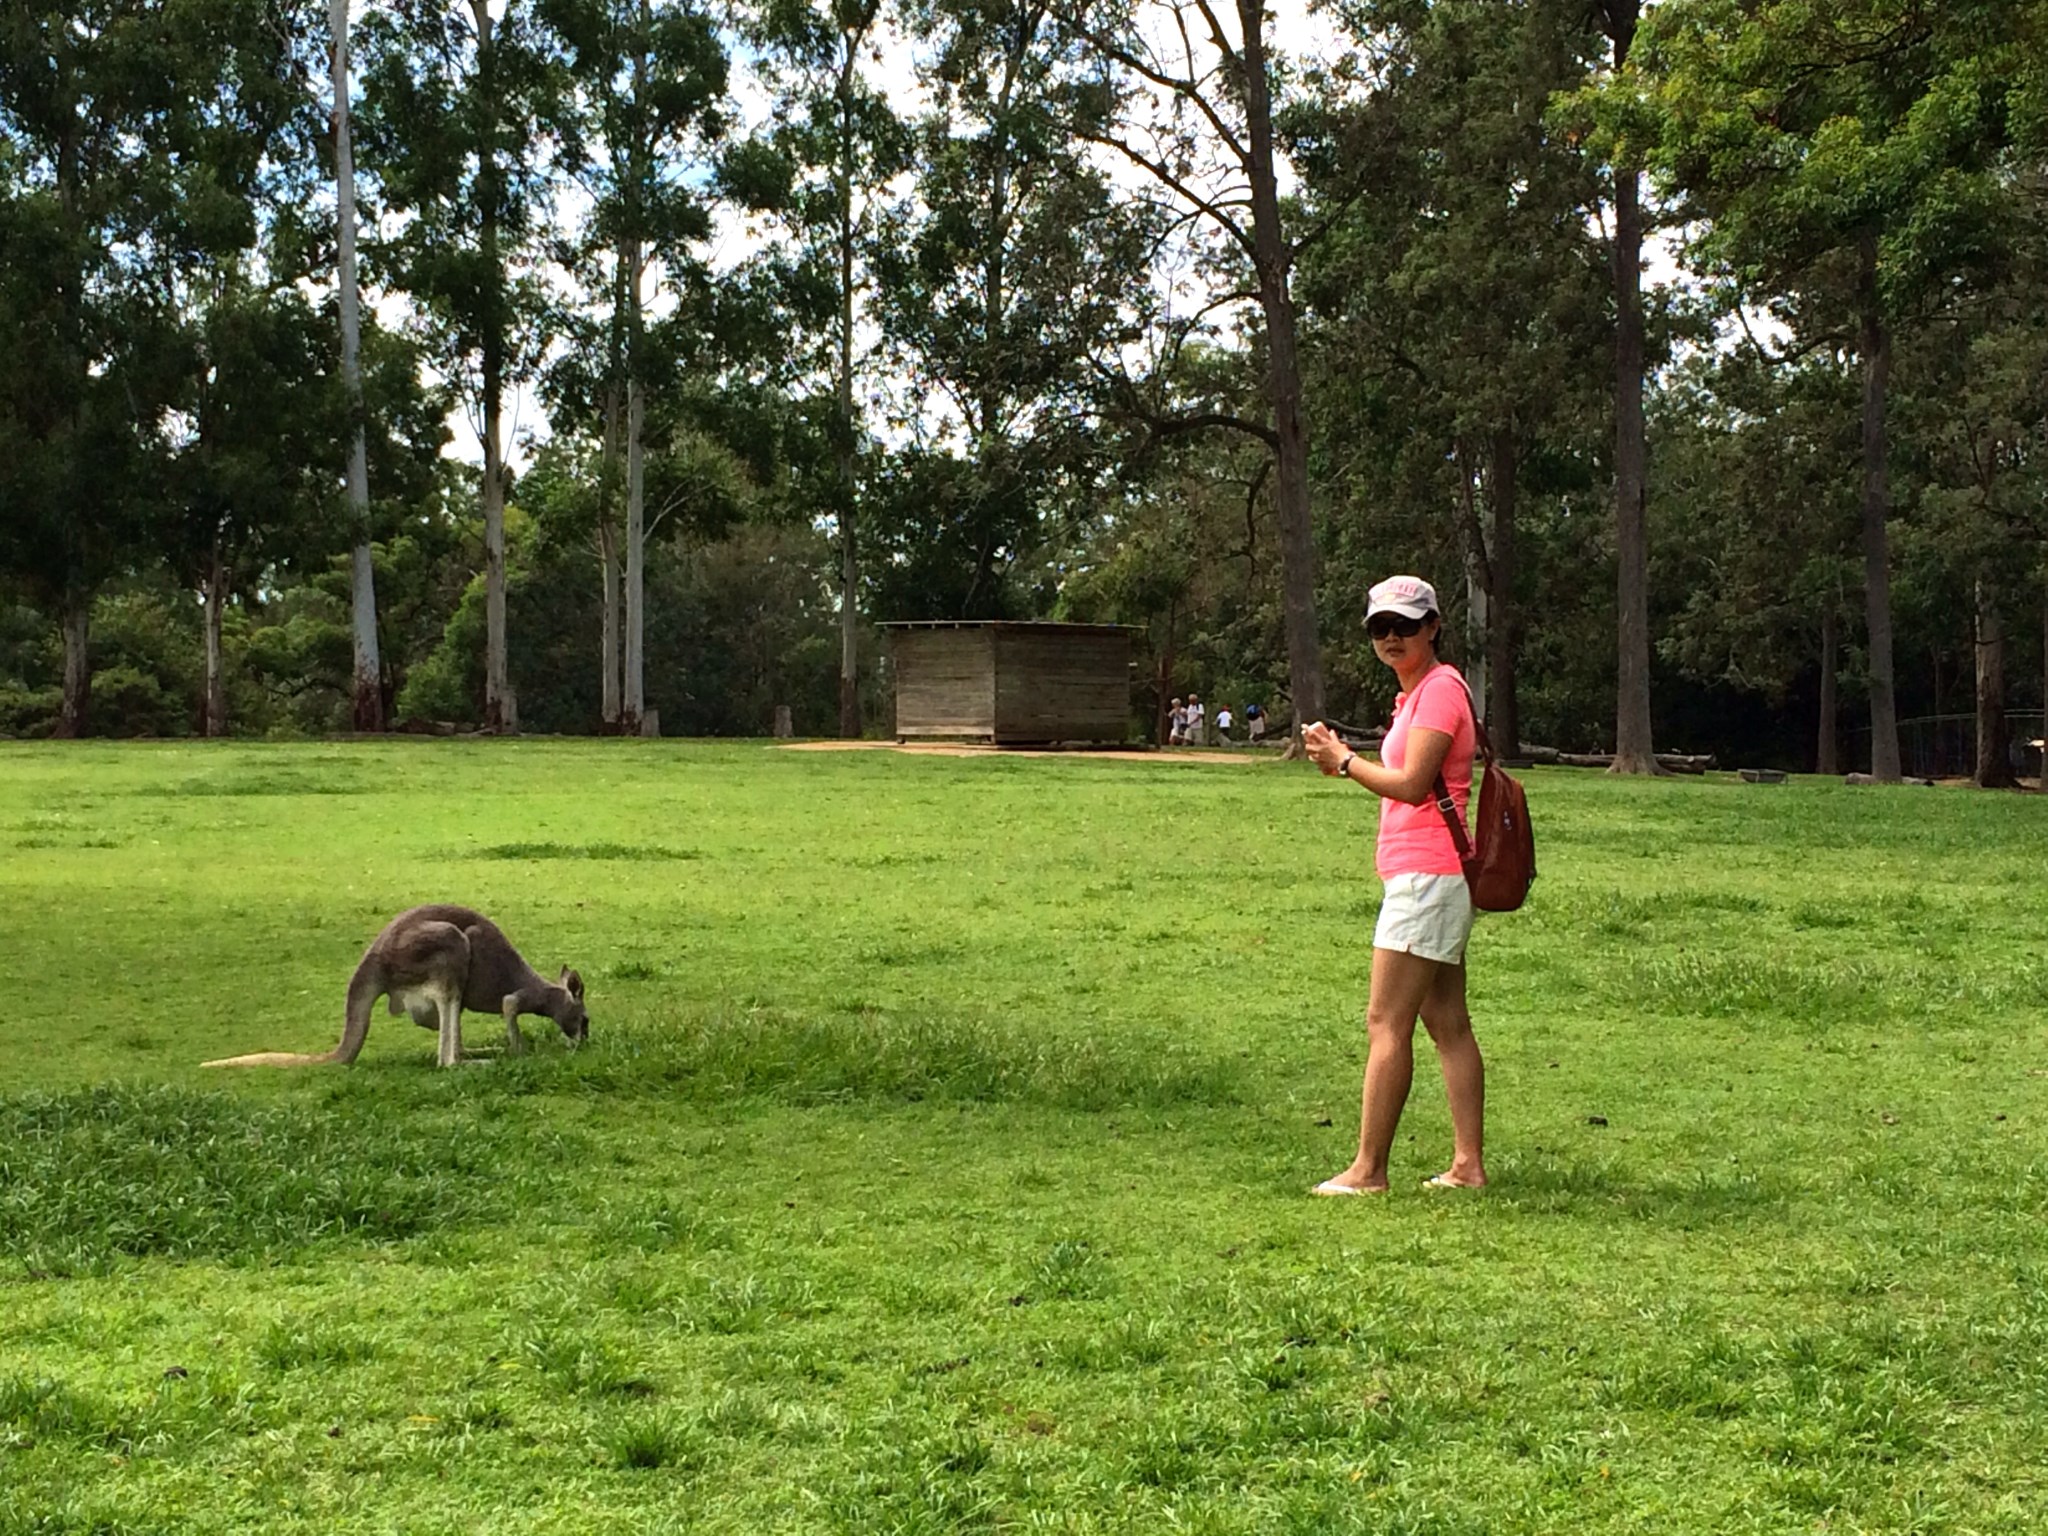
{"x": 1426, "y": 915}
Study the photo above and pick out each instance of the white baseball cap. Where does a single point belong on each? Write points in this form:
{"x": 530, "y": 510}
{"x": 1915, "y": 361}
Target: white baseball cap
{"x": 1410, "y": 596}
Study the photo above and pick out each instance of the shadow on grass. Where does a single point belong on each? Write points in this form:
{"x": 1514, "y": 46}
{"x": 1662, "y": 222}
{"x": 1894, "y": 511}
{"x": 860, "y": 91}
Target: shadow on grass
{"x": 1683, "y": 1199}
{"x": 276, "y": 782}
{"x": 605, "y": 851}
{"x": 800, "y": 1059}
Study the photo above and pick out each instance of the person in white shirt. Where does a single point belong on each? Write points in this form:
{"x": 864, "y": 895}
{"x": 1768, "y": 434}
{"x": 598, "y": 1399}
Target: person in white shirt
{"x": 1197, "y": 718}
{"x": 1176, "y": 723}
{"x": 1223, "y": 724}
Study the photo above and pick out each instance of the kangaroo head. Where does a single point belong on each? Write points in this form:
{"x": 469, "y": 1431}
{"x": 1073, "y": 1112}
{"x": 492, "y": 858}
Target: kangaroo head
{"x": 570, "y": 1013}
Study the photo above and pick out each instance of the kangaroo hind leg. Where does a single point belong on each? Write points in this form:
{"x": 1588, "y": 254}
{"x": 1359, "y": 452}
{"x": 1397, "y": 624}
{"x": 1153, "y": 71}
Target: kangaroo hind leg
{"x": 450, "y": 1005}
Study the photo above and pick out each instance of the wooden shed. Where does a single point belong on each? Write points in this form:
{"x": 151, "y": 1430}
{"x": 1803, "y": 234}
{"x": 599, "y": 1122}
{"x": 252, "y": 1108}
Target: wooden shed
{"x": 1012, "y": 682}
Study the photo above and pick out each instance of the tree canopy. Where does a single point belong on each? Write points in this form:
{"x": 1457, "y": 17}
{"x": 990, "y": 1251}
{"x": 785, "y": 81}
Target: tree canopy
{"x": 1693, "y": 351}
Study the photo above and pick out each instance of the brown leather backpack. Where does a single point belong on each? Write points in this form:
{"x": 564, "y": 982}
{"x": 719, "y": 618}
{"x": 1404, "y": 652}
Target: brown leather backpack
{"x": 1500, "y": 856}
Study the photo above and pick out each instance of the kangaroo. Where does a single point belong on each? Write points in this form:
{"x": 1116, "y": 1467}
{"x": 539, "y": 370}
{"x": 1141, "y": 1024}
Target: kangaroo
{"x": 433, "y": 962}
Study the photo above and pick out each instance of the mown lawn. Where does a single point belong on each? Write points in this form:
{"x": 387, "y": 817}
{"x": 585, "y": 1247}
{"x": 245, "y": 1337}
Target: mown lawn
{"x": 939, "y": 1159}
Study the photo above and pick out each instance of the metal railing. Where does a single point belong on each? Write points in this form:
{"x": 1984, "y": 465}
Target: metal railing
{"x": 1945, "y": 746}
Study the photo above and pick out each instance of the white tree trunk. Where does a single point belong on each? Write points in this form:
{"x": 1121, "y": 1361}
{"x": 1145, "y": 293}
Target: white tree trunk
{"x": 1877, "y": 600}
{"x": 849, "y": 549}
{"x": 366, "y": 691}
{"x": 635, "y": 702}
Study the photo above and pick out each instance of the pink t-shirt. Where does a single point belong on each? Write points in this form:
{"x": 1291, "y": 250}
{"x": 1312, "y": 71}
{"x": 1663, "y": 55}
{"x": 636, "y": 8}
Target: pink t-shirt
{"x": 1413, "y": 838}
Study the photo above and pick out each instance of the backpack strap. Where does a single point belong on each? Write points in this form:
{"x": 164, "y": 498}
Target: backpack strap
{"x": 1444, "y": 803}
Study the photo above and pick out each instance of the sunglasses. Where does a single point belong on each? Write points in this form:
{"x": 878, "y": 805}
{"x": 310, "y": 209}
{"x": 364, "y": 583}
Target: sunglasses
{"x": 1381, "y": 625}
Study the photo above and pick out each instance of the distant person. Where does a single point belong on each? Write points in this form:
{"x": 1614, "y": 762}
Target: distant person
{"x": 1254, "y": 724}
{"x": 1176, "y": 723}
{"x": 1223, "y": 725}
{"x": 1418, "y": 955}
{"x": 1197, "y": 721}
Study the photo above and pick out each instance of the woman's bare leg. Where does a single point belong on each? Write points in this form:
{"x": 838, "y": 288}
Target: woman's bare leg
{"x": 1449, "y": 1023}
{"x": 1400, "y": 982}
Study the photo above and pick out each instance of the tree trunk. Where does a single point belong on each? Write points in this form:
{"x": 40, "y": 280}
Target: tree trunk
{"x": 633, "y": 255}
{"x": 366, "y": 686}
{"x": 215, "y": 721}
{"x": 849, "y": 559}
{"x": 1824, "y": 759}
{"x": 1503, "y": 724}
{"x": 491, "y": 343}
{"x": 1165, "y": 675}
{"x": 77, "y": 707}
{"x": 608, "y": 544}
{"x": 1273, "y": 260}
{"x": 608, "y": 551}
{"x": 1477, "y": 610}
{"x": 1633, "y": 752}
{"x": 1877, "y": 596}
{"x": 849, "y": 621}
{"x": 635, "y": 705}
{"x": 1994, "y": 760}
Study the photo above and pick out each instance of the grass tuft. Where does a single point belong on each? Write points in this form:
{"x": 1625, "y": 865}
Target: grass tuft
{"x": 96, "y": 1175}
{"x": 650, "y": 1443}
{"x": 285, "y": 1347}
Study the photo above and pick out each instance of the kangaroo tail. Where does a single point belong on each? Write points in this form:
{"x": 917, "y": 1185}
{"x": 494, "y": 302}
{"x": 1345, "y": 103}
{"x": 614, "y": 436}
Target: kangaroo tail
{"x": 271, "y": 1059}
{"x": 363, "y": 990}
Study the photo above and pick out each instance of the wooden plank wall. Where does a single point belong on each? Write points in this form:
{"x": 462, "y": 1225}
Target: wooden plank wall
{"x": 1054, "y": 686}
{"x": 945, "y": 681}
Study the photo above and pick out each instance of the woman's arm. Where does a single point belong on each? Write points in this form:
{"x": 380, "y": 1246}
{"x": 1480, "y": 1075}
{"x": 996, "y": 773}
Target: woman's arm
{"x": 1413, "y": 783}
{"x": 1410, "y": 784}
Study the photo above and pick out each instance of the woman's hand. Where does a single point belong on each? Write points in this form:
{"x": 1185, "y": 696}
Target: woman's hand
{"x": 1324, "y": 747}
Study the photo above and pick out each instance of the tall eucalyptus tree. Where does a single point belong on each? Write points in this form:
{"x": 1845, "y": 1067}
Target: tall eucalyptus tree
{"x": 1840, "y": 160}
{"x": 1198, "y": 118}
{"x": 459, "y": 126}
{"x": 366, "y": 687}
{"x": 822, "y": 169}
{"x": 650, "y": 85}
{"x": 1634, "y": 752}
{"x": 1459, "y": 303}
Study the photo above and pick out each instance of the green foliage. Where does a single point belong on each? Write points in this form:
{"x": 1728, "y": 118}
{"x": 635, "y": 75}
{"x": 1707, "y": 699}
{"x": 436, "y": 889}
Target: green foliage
{"x": 735, "y": 627}
{"x": 1461, "y": 313}
{"x": 1800, "y": 130}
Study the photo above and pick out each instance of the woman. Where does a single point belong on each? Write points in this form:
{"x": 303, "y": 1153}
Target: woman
{"x": 1418, "y": 956}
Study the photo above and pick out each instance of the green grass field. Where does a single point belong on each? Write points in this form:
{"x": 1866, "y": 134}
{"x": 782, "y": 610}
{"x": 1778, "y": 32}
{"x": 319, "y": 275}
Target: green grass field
{"x": 939, "y": 1159}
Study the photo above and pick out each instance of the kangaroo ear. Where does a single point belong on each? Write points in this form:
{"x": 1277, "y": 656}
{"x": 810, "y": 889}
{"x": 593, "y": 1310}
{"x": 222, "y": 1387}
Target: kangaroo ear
{"x": 573, "y": 982}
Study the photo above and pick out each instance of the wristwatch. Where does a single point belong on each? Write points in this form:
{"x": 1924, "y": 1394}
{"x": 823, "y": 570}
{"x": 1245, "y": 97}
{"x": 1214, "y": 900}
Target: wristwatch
{"x": 1344, "y": 768}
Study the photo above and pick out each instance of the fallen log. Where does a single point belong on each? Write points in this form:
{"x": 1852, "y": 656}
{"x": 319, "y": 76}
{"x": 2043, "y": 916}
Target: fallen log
{"x": 1670, "y": 762}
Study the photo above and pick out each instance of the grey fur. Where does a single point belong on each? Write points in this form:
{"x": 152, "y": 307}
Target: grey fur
{"x": 433, "y": 962}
